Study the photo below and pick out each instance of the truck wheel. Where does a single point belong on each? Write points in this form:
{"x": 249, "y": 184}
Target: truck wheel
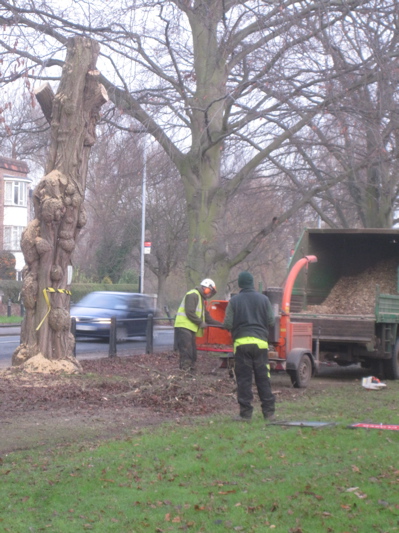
{"x": 300, "y": 377}
{"x": 391, "y": 366}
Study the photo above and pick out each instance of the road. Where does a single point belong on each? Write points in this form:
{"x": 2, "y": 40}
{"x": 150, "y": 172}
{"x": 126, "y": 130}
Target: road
{"x": 92, "y": 348}
{"x": 163, "y": 341}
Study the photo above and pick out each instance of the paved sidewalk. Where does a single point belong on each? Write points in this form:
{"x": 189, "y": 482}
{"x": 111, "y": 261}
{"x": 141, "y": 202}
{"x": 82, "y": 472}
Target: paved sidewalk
{"x": 10, "y": 329}
{"x": 5, "y": 330}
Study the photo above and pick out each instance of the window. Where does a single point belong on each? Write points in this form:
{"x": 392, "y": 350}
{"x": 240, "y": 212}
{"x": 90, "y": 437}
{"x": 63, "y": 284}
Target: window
{"x": 15, "y": 193}
{"x": 12, "y": 237}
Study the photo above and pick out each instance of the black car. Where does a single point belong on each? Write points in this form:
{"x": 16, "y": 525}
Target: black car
{"x": 94, "y": 312}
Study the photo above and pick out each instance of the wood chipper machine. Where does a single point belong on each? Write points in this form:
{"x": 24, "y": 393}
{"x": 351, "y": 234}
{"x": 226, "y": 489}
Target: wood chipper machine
{"x": 290, "y": 343}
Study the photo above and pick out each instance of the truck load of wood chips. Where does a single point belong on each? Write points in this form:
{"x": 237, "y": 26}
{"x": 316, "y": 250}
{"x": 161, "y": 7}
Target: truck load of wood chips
{"x": 356, "y": 295}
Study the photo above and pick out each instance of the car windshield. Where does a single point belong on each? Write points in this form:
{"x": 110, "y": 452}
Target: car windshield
{"x": 104, "y": 301}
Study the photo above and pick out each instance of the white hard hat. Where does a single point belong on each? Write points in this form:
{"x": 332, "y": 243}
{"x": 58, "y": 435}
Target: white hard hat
{"x": 208, "y": 283}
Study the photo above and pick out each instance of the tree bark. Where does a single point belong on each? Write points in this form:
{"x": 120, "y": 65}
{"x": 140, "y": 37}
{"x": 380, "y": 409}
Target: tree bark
{"x": 49, "y": 239}
{"x": 45, "y": 96}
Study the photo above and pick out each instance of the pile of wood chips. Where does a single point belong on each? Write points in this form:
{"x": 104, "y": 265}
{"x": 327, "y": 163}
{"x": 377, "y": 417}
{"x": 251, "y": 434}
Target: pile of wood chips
{"x": 355, "y": 295}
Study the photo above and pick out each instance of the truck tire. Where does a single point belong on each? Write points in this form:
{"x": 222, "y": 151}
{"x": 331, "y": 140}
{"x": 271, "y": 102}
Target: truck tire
{"x": 300, "y": 377}
{"x": 391, "y": 366}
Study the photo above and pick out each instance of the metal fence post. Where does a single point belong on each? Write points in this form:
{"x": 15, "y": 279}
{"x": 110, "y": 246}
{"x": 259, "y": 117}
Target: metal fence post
{"x": 150, "y": 334}
{"x": 22, "y": 310}
{"x": 168, "y": 314}
{"x": 112, "y": 338}
{"x": 9, "y": 307}
{"x": 73, "y": 331}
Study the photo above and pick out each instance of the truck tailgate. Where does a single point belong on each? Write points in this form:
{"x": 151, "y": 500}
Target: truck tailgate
{"x": 387, "y": 308}
{"x": 339, "y": 328}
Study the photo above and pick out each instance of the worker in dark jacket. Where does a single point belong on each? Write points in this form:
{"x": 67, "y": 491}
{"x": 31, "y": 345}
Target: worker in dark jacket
{"x": 249, "y": 315}
{"x": 191, "y": 319}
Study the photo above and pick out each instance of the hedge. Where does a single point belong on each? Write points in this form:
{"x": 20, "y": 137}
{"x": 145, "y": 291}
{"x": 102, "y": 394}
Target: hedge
{"x": 81, "y": 289}
{"x": 11, "y": 289}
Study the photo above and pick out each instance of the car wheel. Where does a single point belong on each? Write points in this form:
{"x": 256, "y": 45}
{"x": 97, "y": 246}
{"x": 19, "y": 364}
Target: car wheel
{"x": 121, "y": 334}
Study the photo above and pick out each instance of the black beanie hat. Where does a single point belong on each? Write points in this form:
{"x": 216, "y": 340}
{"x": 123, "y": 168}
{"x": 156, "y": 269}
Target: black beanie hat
{"x": 245, "y": 280}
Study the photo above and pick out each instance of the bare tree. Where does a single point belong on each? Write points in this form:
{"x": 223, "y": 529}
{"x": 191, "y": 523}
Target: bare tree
{"x": 110, "y": 242}
{"x": 166, "y": 221}
{"x": 353, "y": 146}
{"x": 25, "y": 131}
{"x": 49, "y": 240}
{"x": 113, "y": 202}
{"x": 222, "y": 85}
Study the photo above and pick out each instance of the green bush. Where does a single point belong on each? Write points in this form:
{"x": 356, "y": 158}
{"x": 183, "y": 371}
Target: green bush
{"x": 81, "y": 289}
{"x": 7, "y": 265}
{"x": 129, "y": 276}
{"x": 12, "y": 289}
{"x": 79, "y": 276}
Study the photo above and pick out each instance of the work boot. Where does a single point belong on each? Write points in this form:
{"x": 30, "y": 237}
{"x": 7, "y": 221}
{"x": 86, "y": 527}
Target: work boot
{"x": 270, "y": 417}
{"x": 239, "y": 418}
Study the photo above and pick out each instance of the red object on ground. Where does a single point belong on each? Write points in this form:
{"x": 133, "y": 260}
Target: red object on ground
{"x": 392, "y": 427}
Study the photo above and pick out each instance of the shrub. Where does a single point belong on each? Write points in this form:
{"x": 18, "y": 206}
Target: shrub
{"x": 12, "y": 289}
{"x": 81, "y": 289}
{"x": 7, "y": 265}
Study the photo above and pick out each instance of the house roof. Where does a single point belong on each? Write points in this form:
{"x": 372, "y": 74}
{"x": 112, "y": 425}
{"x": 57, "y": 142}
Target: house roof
{"x": 13, "y": 164}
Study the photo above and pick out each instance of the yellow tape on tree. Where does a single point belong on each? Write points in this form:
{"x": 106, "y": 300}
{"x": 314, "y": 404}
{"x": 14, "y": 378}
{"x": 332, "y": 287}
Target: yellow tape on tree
{"x": 45, "y": 291}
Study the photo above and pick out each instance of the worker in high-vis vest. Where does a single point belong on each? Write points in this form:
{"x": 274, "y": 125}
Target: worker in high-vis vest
{"x": 249, "y": 315}
{"x": 191, "y": 318}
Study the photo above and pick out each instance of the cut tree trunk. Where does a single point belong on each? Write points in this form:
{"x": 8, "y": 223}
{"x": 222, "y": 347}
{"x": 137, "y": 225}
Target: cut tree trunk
{"x": 49, "y": 240}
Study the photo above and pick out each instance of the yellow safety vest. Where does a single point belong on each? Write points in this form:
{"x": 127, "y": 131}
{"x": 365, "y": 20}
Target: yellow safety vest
{"x": 182, "y": 321}
{"x": 251, "y": 340}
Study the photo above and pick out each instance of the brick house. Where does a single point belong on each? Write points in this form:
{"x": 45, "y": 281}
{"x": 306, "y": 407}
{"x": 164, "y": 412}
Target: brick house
{"x": 15, "y": 187}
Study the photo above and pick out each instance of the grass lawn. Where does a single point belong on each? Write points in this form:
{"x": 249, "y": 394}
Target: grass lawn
{"x": 11, "y": 319}
{"x": 213, "y": 475}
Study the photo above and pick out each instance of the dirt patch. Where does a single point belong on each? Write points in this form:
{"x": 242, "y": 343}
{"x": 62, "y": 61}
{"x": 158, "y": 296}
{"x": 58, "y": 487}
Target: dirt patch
{"x": 115, "y": 397}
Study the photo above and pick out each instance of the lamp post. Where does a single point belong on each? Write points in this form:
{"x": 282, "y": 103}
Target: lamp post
{"x": 144, "y": 199}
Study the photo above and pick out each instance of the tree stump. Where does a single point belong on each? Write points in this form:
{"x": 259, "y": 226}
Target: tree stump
{"x": 49, "y": 240}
